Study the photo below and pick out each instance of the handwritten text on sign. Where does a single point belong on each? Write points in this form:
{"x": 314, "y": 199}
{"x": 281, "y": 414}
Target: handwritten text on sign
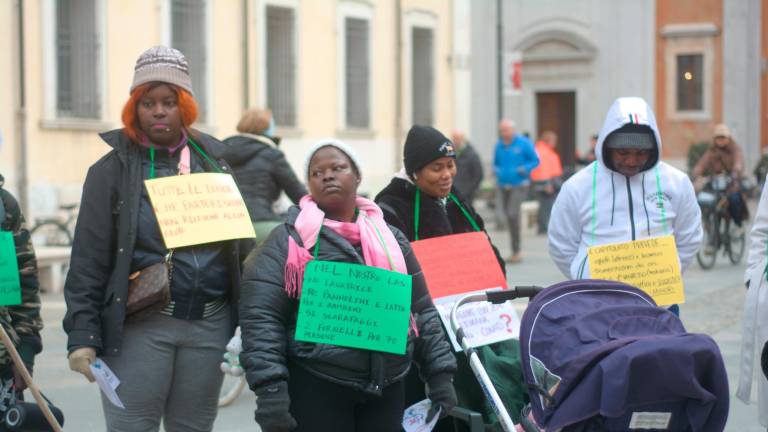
{"x": 10, "y": 286}
{"x": 482, "y": 323}
{"x": 356, "y": 306}
{"x": 458, "y": 264}
{"x": 199, "y": 208}
{"x": 651, "y": 265}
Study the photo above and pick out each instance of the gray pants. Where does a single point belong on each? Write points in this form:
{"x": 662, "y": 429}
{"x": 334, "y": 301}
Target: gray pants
{"x": 512, "y": 198}
{"x": 169, "y": 369}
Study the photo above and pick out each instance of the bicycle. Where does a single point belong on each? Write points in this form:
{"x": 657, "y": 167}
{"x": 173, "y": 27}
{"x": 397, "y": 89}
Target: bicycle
{"x": 716, "y": 225}
{"x": 55, "y": 231}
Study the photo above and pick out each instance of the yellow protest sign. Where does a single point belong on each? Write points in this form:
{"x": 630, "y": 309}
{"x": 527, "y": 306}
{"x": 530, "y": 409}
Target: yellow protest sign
{"x": 650, "y": 264}
{"x": 199, "y": 208}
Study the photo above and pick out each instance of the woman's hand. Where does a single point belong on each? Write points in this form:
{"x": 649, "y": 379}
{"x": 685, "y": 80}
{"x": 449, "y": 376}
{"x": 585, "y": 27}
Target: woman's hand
{"x": 80, "y": 361}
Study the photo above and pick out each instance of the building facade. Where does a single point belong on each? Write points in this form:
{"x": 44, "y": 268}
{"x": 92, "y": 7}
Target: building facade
{"x": 359, "y": 70}
{"x": 710, "y": 68}
{"x": 577, "y": 56}
{"x": 696, "y": 62}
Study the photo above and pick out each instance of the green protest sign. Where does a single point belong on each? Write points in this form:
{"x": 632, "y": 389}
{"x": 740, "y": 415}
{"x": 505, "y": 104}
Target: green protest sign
{"x": 10, "y": 287}
{"x": 356, "y": 306}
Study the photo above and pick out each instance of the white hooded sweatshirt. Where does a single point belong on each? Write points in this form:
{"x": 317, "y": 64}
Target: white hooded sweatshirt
{"x": 599, "y": 206}
{"x": 754, "y": 334}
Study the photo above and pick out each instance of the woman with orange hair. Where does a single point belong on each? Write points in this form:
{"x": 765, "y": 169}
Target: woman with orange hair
{"x": 167, "y": 359}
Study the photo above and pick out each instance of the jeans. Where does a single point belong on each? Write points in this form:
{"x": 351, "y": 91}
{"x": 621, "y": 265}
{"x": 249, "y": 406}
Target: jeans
{"x": 169, "y": 370}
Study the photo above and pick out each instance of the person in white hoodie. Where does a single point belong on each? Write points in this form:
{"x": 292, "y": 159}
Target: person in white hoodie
{"x": 754, "y": 335}
{"x": 626, "y": 194}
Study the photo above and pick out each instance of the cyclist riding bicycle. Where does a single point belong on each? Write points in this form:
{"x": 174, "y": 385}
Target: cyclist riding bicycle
{"x": 724, "y": 157}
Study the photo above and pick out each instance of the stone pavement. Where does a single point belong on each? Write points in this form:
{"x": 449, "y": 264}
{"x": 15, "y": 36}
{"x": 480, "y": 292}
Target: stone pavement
{"x": 714, "y": 302}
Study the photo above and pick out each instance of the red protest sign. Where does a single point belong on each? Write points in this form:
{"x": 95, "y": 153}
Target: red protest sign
{"x": 458, "y": 263}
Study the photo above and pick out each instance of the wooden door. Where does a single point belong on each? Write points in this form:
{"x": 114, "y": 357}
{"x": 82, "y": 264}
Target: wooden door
{"x": 556, "y": 111}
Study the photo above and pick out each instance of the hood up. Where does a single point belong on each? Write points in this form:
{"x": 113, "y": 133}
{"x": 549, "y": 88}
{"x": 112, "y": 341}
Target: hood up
{"x": 624, "y": 111}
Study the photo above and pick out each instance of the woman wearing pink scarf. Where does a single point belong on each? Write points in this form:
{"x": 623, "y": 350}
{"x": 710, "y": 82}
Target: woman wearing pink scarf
{"x": 306, "y": 386}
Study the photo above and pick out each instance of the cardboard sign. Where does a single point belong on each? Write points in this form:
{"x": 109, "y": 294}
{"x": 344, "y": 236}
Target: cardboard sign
{"x": 199, "y": 208}
{"x": 458, "y": 263}
{"x": 482, "y": 323}
{"x": 10, "y": 285}
{"x": 651, "y": 265}
{"x": 356, "y": 306}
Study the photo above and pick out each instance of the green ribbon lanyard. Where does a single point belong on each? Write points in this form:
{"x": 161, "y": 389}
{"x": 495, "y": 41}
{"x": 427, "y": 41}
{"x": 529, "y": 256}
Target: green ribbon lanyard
{"x": 659, "y": 197}
{"x": 765, "y": 270}
{"x": 194, "y": 146}
{"x": 661, "y": 201}
{"x": 316, "y": 249}
{"x": 417, "y": 212}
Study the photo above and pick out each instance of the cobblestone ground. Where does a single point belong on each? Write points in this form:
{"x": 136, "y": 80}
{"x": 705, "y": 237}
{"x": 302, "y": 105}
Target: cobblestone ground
{"x": 714, "y": 304}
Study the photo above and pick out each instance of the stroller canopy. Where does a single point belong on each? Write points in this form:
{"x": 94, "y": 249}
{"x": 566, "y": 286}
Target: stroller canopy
{"x": 600, "y": 355}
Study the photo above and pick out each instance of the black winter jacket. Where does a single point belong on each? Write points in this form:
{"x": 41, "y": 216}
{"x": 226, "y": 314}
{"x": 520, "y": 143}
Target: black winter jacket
{"x": 262, "y": 173}
{"x": 469, "y": 172}
{"x": 397, "y": 202}
{"x": 97, "y": 283}
{"x": 268, "y": 323}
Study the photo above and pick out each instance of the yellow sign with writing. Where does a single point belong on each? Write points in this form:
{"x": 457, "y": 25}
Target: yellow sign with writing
{"x": 650, "y": 264}
{"x": 199, "y": 208}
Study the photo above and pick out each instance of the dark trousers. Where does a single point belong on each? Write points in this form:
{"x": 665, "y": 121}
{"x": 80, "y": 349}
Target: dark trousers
{"x": 512, "y": 198}
{"x": 319, "y": 405}
{"x": 736, "y": 207}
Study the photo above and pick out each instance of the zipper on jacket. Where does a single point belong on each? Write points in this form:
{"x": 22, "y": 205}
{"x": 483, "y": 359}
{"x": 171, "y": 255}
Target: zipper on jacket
{"x": 195, "y": 284}
{"x": 631, "y": 208}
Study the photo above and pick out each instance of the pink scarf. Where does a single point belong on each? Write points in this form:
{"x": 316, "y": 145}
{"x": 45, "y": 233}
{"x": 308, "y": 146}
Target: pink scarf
{"x": 364, "y": 231}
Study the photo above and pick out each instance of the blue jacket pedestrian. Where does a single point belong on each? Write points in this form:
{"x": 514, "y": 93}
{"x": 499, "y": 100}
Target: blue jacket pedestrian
{"x": 513, "y": 162}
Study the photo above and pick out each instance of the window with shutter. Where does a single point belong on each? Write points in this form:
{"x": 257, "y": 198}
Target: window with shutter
{"x": 357, "y": 74}
{"x": 423, "y": 76}
{"x": 281, "y": 65}
{"x": 78, "y": 47}
{"x": 188, "y": 35}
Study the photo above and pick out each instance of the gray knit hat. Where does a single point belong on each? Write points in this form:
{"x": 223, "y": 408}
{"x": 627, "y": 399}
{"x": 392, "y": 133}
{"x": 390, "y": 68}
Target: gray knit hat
{"x": 631, "y": 136}
{"x": 162, "y": 64}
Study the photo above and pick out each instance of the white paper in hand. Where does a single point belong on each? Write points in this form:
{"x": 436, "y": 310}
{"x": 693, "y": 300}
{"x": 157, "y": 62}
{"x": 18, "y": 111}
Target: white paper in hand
{"x": 415, "y": 417}
{"x": 107, "y": 381}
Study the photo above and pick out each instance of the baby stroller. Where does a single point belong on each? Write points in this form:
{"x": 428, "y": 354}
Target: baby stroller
{"x": 601, "y": 356}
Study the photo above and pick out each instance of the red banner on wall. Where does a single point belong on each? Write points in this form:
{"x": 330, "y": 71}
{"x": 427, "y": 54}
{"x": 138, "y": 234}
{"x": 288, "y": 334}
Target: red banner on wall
{"x": 458, "y": 263}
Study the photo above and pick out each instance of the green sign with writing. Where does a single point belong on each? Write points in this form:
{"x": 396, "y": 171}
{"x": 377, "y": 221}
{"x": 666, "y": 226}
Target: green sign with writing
{"x": 10, "y": 288}
{"x": 356, "y": 306}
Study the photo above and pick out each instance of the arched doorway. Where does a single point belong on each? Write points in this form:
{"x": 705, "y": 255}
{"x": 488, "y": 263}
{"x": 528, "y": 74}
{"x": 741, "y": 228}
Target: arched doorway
{"x": 557, "y": 77}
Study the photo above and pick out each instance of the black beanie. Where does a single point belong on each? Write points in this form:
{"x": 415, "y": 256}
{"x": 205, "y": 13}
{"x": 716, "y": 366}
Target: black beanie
{"x": 423, "y": 145}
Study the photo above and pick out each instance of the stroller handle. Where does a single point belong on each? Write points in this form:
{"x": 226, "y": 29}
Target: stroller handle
{"x": 500, "y": 296}
{"x": 494, "y": 296}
